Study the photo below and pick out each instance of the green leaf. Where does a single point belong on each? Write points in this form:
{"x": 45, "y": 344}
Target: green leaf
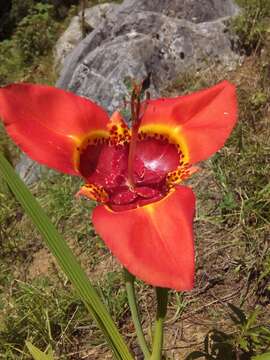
{"x": 38, "y": 354}
{"x": 239, "y": 313}
{"x": 66, "y": 260}
{"x": 265, "y": 356}
{"x": 244, "y": 344}
{"x": 252, "y": 318}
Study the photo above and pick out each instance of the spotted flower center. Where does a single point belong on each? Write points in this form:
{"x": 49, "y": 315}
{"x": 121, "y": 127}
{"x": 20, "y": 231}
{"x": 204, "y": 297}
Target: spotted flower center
{"x": 158, "y": 165}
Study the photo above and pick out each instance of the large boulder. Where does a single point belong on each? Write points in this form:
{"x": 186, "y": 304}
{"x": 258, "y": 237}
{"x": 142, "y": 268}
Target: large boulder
{"x": 167, "y": 38}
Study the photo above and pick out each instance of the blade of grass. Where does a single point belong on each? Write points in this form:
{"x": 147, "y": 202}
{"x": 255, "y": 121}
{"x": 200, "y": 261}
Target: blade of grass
{"x": 66, "y": 260}
{"x": 38, "y": 354}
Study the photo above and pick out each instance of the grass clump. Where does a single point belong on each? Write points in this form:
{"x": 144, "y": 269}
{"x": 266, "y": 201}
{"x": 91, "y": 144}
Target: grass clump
{"x": 252, "y": 25}
{"x": 43, "y": 314}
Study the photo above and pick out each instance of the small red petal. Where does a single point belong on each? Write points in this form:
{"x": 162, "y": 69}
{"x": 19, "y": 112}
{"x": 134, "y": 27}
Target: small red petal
{"x": 154, "y": 242}
{"x": 123, "y": 196}
{"x": 202, "y": 121}
{"x": 48, "y": 123}
{"x": 153, "y": 160}
{"x": 147, "y": 192}
{"x": 107, "y": 166}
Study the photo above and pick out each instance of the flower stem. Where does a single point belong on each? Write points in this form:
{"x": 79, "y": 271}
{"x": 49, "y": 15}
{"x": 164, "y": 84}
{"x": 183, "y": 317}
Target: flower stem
{"x": 162, "y": 301}
{"x": 129, "y": 280}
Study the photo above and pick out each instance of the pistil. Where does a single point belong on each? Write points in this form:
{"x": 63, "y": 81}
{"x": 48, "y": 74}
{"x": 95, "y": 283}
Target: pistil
{"x": 136, "y": 118}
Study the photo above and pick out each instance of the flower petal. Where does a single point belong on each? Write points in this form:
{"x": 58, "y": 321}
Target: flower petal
{"x": 154, "y": 242}
{"x": 105, "y": 165}
{"x": 153, "y": 160}
{"x": 201, "y": 122}
{"x": 49, "y": 123}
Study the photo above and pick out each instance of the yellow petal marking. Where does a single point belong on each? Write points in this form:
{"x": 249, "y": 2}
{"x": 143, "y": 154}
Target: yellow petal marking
{"x": 174, "y": 136}
{"x": 119, "y": 131}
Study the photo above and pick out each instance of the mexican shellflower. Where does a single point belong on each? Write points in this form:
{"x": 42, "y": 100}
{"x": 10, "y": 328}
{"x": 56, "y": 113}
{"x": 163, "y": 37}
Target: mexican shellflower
{"x": 145, "y": 216}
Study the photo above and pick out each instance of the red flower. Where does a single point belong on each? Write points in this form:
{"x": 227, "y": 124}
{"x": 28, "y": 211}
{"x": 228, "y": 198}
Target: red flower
{"x": 146, "y": 216}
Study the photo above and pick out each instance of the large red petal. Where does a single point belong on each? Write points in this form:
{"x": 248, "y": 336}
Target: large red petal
{"x": 201, "y": 122}
{"x": 154, "y": 242}
{"x": 49, "y": 123}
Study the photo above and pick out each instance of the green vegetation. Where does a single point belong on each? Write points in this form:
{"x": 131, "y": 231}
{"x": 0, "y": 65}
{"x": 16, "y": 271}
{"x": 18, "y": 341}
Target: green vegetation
{"x": 36, "y": 33}
{"x": 12, "y": 12}
{"x": 252, "y": 25}
{"x": 244, "y": 342}
{"x": 227, "y": 311}
{"x": 31, "y": 32}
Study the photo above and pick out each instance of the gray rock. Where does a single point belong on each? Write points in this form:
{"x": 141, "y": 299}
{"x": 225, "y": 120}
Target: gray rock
{"x": 143, "y": 36}
{"x": 30, "y": 171}
{"x": 73, "y": 34}
{"x": 191, "y": 10}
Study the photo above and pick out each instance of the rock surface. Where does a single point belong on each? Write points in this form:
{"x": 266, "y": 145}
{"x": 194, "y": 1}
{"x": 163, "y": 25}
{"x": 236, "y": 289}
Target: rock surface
{"x": 73, "y": 35}
{"x": 164, "y": 37}
{"x": 30, "y": 171}
{"x": 192, "y": 10}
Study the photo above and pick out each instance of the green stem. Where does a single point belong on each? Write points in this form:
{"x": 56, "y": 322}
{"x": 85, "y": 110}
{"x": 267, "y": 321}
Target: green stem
{"x": 129, "y": 280}
{"x": 162, "y": 301}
